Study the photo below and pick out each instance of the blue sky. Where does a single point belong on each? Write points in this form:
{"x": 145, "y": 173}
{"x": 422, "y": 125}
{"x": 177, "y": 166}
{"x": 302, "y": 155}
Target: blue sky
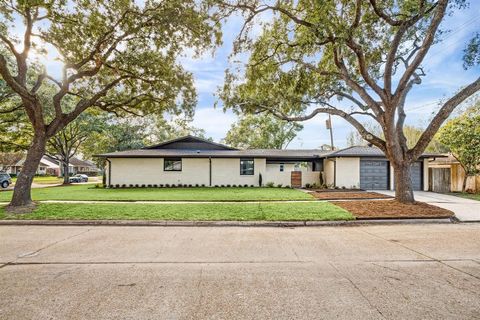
{"x": 443, "y": 65}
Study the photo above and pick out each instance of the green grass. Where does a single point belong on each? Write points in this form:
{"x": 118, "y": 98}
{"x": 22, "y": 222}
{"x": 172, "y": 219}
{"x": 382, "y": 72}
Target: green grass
{"x": 474, "y": 196}
{"x": 89, "y": 192}
{"x": 190, "y": 211}
{"x": 44, "y": 180}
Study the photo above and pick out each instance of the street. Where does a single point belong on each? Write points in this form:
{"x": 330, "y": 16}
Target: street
{"x": 421, "y": 271}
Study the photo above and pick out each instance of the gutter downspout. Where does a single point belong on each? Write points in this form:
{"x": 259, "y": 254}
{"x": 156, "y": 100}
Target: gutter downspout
{"x": 109, "y": 172}
{"x": 210, "y": 171}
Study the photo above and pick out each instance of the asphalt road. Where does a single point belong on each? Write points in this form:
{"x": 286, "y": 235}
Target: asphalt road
{"x": 365, "y": 272}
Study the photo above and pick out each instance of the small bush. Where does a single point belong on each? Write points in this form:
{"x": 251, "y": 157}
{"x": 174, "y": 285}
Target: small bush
{"x": 124, "y": 186}
{"x": 136, "y": 186}
{"x": 222, "y": 185}
{"x": 197, "y": 185}
{"x": 252, "y": 186}
{"x": 216, "y": 186}
{"x": 279, "y": 185}
{"x": 167, "y": 185}
{"x": 343, "y": 187}
{"x": 245, "y": 185}
{"x": 287, "y": 186}
{"x": 190, "y": 185}
{"x": 270, "y": 184}
{"x": 203, "y": 185}
{"x": 99, "y": 185}
{"x": 228, "y": 186}
{"x": 149, "y": 185}
{"x": 307, "y": 185}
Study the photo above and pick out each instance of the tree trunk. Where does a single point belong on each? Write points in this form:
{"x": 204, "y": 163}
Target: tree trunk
{"x": 22, "y": 191}
{"x": 464, "y": 183}
{"x": 66, "y": 172}
{"x": 403, "y": 184}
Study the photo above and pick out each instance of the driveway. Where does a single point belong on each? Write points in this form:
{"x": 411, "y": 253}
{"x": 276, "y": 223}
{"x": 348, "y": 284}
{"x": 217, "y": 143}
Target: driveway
{"x": 423, "y": 271}
{"x": 466, "y": 210}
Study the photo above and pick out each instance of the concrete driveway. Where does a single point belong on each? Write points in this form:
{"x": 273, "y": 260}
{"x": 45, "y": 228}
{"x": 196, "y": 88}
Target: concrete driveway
{"x": 464, "y": 209}
{"x": 422, "y": 271}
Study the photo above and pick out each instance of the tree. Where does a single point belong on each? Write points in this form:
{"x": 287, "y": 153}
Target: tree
{"x": 119, "y": 56}
{"x": 354, "y": 59}
{"x": 66, "y": 143}
{"x": 462, "y": 136}
{"x": 9, "y": 159}
{"x": 262, "y": 132}
{"x": 412, "y": 134}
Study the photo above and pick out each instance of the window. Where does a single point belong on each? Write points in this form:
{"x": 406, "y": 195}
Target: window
{"x": 246, "y": 167}
{"x": 172, "y": 164}
{"x": 282, "y": 167}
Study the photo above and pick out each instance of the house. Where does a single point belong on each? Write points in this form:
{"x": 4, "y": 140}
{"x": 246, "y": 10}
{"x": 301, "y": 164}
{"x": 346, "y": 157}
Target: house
{"x": 51, "y": 166}
{"x": 15, "y": 169}
{"x": 447, "y": 175}
{"x": 194, "y": 161}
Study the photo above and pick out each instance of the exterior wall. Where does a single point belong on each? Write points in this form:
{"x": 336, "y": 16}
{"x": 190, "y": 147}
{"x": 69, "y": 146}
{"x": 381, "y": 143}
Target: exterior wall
{"x": 150, "y": 171}
{"x": 194, "y": 171}
{"x": 329, "y": 172}
{"x": 274, "y": 175}
{"x": 227, "y": 171}
{"x": 347, "y": 172}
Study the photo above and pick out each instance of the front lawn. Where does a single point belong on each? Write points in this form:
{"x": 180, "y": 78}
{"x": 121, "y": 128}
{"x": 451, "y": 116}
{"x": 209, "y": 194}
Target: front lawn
{"x": 188, "y": 211}
{"x": 44, "y": 180}
{"x": 89, "y": 192}
{"x": 473, "y": 196}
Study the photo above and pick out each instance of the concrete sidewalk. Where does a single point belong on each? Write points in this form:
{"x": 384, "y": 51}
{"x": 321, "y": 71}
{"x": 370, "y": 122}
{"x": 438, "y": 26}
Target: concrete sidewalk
{"x": 368, "y": 272}
{"x": 466, "y": 210}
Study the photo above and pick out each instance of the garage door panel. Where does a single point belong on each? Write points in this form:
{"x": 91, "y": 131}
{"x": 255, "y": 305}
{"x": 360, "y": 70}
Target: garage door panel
{"x": 374, "y": 174}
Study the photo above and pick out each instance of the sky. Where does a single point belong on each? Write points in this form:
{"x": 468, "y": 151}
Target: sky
{"x": 443, "y": 66}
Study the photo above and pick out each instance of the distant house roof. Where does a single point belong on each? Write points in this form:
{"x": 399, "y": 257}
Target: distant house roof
{"x": 366, "y": 151}
{"x": 193, "y": 147}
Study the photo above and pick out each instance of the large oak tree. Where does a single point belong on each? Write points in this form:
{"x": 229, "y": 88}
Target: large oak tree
{"x": 118, "y": 55}
{"x": 358, "y": 60}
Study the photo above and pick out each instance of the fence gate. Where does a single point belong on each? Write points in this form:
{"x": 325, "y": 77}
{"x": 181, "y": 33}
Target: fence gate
{"x": 296, "y": 179}
{"x": 439, "y": 179}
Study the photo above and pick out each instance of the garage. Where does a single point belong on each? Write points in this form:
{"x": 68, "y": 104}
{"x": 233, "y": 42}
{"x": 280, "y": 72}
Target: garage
{"x": 374, "y": 174}
{"x": 416, "y": 175}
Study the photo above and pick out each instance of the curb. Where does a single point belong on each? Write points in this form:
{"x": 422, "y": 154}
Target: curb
{"x": 275, "y": 224}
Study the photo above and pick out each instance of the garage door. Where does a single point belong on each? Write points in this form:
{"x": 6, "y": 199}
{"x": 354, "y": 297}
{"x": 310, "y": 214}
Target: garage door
{"x": 416, "y": 175}
{"x": 374, "y": 174}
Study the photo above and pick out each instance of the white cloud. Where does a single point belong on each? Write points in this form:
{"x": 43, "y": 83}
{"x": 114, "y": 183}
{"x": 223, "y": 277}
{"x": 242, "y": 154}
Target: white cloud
{"x": 214, "y": 121}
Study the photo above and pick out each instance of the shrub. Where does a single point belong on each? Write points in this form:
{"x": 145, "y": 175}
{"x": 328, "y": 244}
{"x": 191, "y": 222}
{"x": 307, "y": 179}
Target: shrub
{"x": 260, "y": 179}
{"x": 123, "y": 186}
{"x": 228, "y": 186}
{"x": 252, "y": 186}
{"x": 222, "y": 185}
{"x": 307, "y": 185}
{"x": 279, "y": 185}
{"x": 245, "y": 185}
{"x": 99, "y": 185}
{"x": 117, "y": 186}
{"x": 167, "y": 185}
{"x": 343, "y": 187}
{"x": 197, "y": 185}
{"x": 190, "y": 186}
{"x": 203, "y": 185}
{"x": 160, "y": 185}
{"x": 287, "y": 186}
{"x": 270, "y": 184}
{"x": 149, "y": 185}
{"x": 136, "y": 186}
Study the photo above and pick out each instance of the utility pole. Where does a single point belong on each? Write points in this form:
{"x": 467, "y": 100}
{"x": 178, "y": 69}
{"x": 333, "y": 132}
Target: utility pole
{"x": 330, "y": 127}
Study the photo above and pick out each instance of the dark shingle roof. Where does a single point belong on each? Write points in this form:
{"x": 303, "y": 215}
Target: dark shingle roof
{"x": 365, "y": 151}
{"x": 258, "y": 153}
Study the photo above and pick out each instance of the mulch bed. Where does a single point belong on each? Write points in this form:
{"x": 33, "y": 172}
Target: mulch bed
{"x": 340, "y": 195}
{"x": 385, "y": 209}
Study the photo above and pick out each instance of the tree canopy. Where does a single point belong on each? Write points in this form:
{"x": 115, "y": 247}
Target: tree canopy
{"x": 462, "y": 136}
{"x": 262, "y": 132}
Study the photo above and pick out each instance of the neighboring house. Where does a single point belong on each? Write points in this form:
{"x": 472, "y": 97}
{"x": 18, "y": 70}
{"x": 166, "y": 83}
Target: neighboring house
{"x": 51, "y": 166}
{"x": 447, "y": 174}
{"x": 194, "y": 161}
{"x": 42, "y": 167}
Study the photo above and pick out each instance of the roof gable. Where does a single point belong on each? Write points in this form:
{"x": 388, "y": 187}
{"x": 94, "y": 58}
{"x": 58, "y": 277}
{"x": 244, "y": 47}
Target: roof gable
{"x": 190, "y": 143}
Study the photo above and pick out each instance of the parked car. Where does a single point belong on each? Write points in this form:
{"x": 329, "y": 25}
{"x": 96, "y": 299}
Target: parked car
{"x": 5, "y": 179}
{"x": 78, "y": 178}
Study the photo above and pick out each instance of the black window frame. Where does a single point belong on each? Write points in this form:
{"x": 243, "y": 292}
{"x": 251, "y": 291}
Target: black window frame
{"x": 242, "y": 173}
{"x": 282, "y": 167}
{"x": 176, "y": 159}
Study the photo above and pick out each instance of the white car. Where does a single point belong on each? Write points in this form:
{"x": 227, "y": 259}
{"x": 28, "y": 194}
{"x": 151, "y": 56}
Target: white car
{"x": 5, "y": 180}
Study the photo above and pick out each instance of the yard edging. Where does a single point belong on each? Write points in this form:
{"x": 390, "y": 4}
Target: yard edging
{"x": 275, "y": 224}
